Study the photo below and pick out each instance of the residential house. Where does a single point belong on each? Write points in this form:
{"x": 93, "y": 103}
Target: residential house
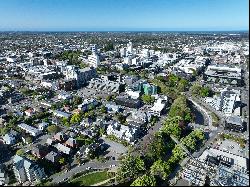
{"x": 29, "y": 129}
{"x": 90, "y": 133}
{"x": 71, "y": 142}
{"x": 40, "y": 151}
{"x": 64, "y": 96}
{"x": 86, "y": 122}
{"x": 138, "y": 116}
{"x": 61, "y": 114}
{"x": 42, "y": 126}
{"x": 9, "y": 139}
{"x": 64, "y": 149}
{"x": 53, "y": 157}
{"x": 128, "y": 102}
{"x": 50, "y": 141}
{"x": 29, "y": 112}
{"x": 123, "y": 132}
{"x": 234, "y": 123}
{"x": 87, "y": 104}
{"x": 61, "y": 137}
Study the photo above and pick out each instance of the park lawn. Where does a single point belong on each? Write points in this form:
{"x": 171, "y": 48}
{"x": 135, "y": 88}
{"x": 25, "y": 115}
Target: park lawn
{"x": 90, "y": 179}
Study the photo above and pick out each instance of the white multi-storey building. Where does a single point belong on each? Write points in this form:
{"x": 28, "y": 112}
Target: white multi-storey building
{"x": 94, "y": 60}
{"x": 123, "y": 52}
{"x": 80, "y": 75}
{"x": 130, "y": 47}
{"x": 26, "y": 170}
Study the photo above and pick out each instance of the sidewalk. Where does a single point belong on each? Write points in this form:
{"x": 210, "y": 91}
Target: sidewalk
{"x": 103, "y": 182}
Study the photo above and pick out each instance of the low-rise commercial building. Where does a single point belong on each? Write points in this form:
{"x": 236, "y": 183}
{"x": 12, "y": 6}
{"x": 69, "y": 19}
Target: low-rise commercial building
{"x": 223, "y": 74}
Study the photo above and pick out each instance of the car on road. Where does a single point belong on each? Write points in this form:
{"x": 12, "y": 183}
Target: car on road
{"x": 88, "y": 168}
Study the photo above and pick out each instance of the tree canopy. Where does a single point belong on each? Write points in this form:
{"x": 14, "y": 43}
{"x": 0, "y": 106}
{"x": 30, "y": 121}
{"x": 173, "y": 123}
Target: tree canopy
{"x": 147, "y": 99}
{"x": 202, "y": 91}
{"x": 145, "y": 180}
{"x": 180, "y": 108}
{"x": 160, "y": 168}
{"x": 130, "y": 168}
{"x": 53, "y": 129}
{"x": 171, "y": 126}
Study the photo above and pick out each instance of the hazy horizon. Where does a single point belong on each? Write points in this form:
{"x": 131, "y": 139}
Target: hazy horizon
{"x": 124, "y": 15}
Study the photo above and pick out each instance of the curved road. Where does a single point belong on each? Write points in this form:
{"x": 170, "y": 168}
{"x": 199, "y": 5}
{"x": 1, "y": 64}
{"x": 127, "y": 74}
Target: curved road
{"x": 94, "y": 165}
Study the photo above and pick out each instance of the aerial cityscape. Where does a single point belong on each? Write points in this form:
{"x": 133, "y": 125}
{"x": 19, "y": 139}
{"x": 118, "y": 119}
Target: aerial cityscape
{"x": 124, "y": 93}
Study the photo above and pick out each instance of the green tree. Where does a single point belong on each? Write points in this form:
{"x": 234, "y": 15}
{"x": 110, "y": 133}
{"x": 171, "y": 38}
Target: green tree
{"x": 77, "y": 100}
{"x": 157, "y": 149}
{"x": 4, "y": 130}
{"x": 53, "y": 129}
{"x": 121, "y": 118}
{"x": 178, "y": 153}
{"x": 198, "y": 90}
{"x": 29, "y": 139}
{"x": 195, "y": 89}
{"x": 103, "y": 109}
{"x": 91, "y": 106}
{"x": 147, "y": 99}
{"x": 108, "y": 98}
{"x": 171, "y": 126}
{"x": 198, "y": 134}
{"x": 189, "y": 142}
{"x": 20, "y": 152}
{"x": 75, "y": 118}
{"x": 145, "y": 180}
{"x": 130, "y": 168}
{"x": 205, "y": 92}
{"x": 161, "y": 169}
{"x": 109, "y": 46}
{"x": 62, "y": 161}
{"x": 180, "y": 108}
{"x": 182, "y": 85}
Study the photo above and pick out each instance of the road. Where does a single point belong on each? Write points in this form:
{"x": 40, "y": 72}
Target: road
{"x": 95, "y": 165}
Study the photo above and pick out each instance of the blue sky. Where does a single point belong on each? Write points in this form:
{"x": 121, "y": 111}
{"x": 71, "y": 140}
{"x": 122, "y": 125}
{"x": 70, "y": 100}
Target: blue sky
{"x": 127, "y": 15}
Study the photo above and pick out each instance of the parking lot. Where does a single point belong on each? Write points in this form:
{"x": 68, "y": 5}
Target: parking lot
{"x": 114, "y": 149}
{"x": 88, "y": 92}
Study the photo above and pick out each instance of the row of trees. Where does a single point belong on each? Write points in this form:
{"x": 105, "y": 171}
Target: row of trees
{"x": 73, "y": 57}
{"x": 172, "y": 86}
{"x": 180, "y": 108}
{"x": 201, "y": 91}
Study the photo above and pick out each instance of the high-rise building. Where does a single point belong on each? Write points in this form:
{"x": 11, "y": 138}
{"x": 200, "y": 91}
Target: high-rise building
{"x": 94, "y": 60}
{"x": 130, "y": 47}
{"x": 94, "y": 49}
{"x": 123, "y": 52}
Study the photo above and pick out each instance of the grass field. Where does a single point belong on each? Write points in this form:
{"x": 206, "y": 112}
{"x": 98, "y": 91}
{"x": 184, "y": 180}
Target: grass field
{"x": 90, "y": 179}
